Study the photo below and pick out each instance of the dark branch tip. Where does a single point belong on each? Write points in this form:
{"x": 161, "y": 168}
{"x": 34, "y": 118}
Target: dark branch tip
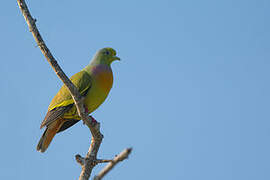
{"x": 129, "y": 149}
{"x": 78, "y": 156}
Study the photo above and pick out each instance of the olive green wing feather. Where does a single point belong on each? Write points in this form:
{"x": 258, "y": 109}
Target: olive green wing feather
{"x": 62, "y": 101}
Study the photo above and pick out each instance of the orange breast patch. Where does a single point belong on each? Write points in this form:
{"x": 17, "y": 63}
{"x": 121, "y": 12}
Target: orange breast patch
{"x": 105, "y": 81}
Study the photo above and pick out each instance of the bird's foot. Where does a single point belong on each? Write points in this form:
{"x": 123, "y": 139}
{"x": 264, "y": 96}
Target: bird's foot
{"x": 94, "y": 121}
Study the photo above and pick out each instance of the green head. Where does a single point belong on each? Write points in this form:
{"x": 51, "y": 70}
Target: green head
{"x": 105, "y": 56}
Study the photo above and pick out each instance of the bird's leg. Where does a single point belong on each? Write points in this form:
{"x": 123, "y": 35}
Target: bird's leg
{"x": 93, "y": 120}
{"x": 86, "y": 109}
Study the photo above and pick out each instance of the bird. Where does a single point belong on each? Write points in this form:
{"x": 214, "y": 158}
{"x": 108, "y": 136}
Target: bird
{"x": 94, "y": 83}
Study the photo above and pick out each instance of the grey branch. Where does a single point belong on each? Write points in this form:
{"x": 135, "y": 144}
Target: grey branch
{"x": 89, "y": 161}
{"x": 122, "y": 156}
{"x": 78, "y": 100}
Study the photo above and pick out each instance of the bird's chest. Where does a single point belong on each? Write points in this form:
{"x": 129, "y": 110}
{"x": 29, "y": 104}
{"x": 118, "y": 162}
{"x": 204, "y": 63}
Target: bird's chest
{"x": 101, "y": 86}
{"x": 104, "y": 81}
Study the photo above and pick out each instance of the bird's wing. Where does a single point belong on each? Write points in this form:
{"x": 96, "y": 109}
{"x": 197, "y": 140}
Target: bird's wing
{"x": 62, "y": 101}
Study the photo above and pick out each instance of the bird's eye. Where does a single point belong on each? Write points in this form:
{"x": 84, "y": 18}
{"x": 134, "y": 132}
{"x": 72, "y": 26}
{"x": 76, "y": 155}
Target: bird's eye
{"x": 107, "y": 52}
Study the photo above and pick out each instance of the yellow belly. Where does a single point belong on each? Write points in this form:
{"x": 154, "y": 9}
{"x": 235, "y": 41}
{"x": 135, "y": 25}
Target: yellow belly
{"x": 99, "y": 91}
{"x": 100, "y": 88}
{"x": 95, "y": 97}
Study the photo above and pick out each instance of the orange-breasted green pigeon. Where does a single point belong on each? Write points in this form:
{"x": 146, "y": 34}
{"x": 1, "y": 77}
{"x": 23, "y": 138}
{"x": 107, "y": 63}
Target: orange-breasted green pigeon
{"x": 94, "y": 83}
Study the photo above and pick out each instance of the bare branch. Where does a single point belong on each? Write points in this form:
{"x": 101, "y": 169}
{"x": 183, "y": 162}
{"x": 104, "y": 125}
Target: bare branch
{"x": 78, "y": 100}
{"x": 89, "y": 162}
{"x": 122, "y": 156}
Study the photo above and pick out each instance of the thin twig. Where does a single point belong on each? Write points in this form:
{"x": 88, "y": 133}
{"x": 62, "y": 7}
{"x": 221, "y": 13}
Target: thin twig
{"x": 104, "y": 160}
{"x": 122, "y": 156}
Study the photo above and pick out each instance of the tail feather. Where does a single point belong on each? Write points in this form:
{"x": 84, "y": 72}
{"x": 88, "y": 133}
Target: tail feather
{"x": 40, "y": 146}
{"x": 48, "y": 135}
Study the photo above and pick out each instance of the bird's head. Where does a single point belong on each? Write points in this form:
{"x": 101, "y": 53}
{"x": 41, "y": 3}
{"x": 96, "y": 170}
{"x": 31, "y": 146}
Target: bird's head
{"x": 106, "y": 56}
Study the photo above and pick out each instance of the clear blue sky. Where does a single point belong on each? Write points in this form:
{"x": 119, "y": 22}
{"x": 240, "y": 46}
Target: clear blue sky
{"x": 191, "y": 94}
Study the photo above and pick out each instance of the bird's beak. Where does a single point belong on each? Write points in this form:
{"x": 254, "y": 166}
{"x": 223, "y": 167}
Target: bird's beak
{"x": 116, "y": 58}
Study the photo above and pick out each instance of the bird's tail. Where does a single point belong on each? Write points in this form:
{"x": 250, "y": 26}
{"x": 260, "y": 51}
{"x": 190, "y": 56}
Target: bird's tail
{"x": 48, "y": 135}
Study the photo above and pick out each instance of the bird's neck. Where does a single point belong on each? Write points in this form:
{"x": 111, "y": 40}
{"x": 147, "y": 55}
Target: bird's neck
{"x": 94, "y": 68}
